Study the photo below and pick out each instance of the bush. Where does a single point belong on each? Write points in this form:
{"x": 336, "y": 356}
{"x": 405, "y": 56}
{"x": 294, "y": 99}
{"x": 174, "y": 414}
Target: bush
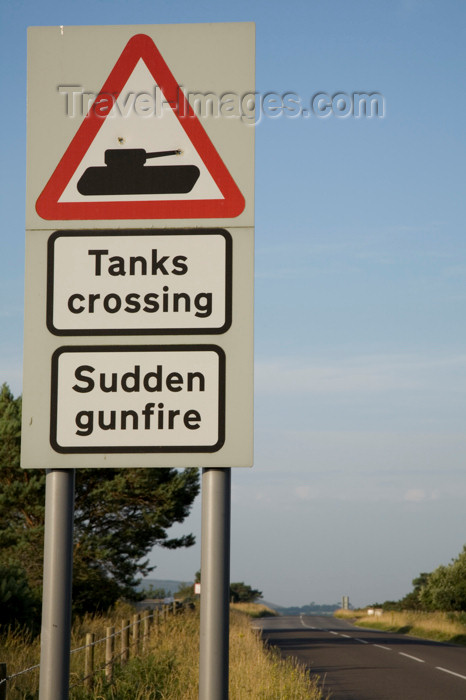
{"x": 445, "y": 588}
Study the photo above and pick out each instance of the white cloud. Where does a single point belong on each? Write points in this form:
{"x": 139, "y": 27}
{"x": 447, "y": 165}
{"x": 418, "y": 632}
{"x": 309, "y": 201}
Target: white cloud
{"x": 267, "y": 492}
{"x": 360, "y": 453}
{"x": 419, "y": 495}
{"x": 364, "y": 373}
{"x": 415, "y": 495}
{"x": 304, "y": 492}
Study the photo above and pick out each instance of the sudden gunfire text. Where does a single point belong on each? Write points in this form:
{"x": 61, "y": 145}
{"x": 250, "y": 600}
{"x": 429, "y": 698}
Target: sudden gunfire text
{"x": 153, "y": 415}
{"x": 148, "y": 398}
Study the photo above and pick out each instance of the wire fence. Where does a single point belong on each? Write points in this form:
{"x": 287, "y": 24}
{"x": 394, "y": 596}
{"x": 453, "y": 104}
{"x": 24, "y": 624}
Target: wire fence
{"x": 101, "y": 655}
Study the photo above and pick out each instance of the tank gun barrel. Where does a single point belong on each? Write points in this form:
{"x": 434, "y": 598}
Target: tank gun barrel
{"x": 133, "y": 157}
{"x": 161, "y": 154}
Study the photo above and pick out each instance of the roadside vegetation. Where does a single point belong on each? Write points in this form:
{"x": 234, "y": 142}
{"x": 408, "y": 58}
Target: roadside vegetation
{"x": 120, "y": 515}
{"x": 168, "y": 668}
{"x": 442, "y": 590}
{"x": 435, "y": 608}
{"x": 438, "y": 626}
{"x": 254, "y": 610}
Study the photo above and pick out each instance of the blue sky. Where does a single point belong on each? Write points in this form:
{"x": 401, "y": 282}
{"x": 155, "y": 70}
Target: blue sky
{"x": 360, "y": 343}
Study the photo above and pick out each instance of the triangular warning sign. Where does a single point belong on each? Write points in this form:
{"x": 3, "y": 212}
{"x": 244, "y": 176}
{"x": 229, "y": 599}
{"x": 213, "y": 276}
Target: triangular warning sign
{"x": 140, "y": 152}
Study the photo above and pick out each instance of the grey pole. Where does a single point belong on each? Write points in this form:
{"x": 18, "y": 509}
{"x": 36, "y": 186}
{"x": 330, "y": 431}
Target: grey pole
{"x": 215, "y": 584}
{"x": 56, "y": 597}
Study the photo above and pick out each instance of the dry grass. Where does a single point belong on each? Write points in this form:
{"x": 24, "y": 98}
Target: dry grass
{"x": 19, "y": 651}
{"x": 260, "y": 673}
{"x": 254, "y": 609}
{"x": 169, "y": 667}
{"x": 350, "y": 614}
{"x": 438, "y": 626}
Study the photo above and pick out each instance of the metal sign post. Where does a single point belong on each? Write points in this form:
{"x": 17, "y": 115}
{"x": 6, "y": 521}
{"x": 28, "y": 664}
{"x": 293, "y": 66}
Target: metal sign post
{"x": 56, "y": 598}
{"x": 215, "y": 584}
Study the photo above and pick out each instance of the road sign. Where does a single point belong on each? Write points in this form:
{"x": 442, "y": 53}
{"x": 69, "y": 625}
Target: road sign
{"x": 147, "y": 124}
{"x": 140, "y": 215}
{"x": 54, "y": 284}
{"x": 137, "y": 158}
{"x": 138, "y": 398}
{"x": 139, "y": 282}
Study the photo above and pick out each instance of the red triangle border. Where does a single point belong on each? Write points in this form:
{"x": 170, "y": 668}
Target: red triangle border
{"x": 47, "y": 205}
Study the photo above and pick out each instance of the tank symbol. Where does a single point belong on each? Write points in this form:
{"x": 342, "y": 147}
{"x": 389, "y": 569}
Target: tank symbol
{"x": 125, "y": 172}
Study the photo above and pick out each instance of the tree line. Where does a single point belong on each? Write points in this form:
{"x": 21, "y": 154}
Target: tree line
{"x": 120, "y": 515}
{"x": 240, "y": 592}
{"x": 444, "y": 589}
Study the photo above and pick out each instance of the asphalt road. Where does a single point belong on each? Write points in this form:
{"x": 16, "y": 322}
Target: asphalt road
{"x": 361, "y": 664}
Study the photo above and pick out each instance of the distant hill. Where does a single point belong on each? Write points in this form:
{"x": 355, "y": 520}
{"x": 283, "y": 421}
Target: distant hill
{"x": 172, "y": 587}
{"x": 168, "y": 585}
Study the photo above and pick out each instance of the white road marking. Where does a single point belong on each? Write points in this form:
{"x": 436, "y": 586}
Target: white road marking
{"x": 302, "y": 621}
{"x": 332, "y": 632}
{"x": 363, "y": 641}
{"x": 439, "y": 668}
{"x": 382, "y": 647}
{"x": 309, "y": 627}
{"x": 408, "y": 656}
{"x": 346, "y": 635}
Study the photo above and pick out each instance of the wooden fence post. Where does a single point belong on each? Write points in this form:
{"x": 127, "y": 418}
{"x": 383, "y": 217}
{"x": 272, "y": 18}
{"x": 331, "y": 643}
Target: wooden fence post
{"x": 135, "y": 633}
{"x": 146, "y": 632}
{"x": 124, "y": 641}
{"x": 89, "y": 660}
{"x": 3, "y": 677}
{"x": 109, "y": 649}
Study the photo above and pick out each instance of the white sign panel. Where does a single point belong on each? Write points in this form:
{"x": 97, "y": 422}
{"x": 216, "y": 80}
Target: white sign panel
{"x": 147, "y": 398}
{"x": 50, "y": 360}
{"x": 138, "y": 282}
